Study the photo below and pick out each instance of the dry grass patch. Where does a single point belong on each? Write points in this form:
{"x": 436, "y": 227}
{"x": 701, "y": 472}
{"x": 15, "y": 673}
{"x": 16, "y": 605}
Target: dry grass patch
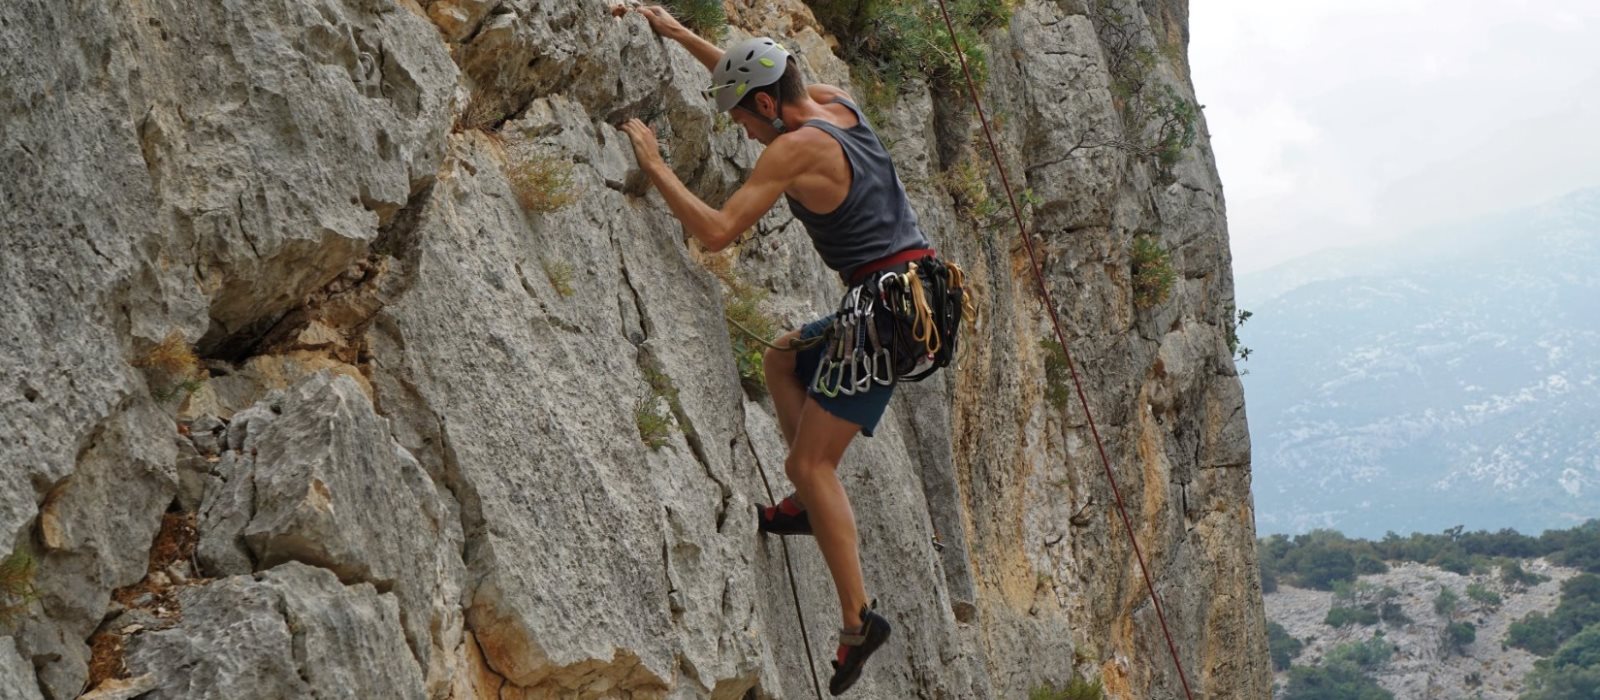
{"x": 177, "y": 368}
{"x": 542, "y": 183}
{"x": 559, "y": 272}
{"x": 106, "y": 659}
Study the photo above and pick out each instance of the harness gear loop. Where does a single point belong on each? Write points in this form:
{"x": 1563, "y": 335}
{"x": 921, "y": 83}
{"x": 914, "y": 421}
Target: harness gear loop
{"x": 922, "y": 329}
{"x": 958, "y": 281}
{"x": 1055, "y": 322}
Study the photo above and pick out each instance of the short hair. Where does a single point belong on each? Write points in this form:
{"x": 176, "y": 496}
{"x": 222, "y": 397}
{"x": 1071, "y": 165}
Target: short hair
{"x": 792, "y": 84}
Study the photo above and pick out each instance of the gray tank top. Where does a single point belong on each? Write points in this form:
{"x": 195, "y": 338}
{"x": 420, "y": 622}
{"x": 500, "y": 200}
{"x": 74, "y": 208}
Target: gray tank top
{"x": 875, "y": 219}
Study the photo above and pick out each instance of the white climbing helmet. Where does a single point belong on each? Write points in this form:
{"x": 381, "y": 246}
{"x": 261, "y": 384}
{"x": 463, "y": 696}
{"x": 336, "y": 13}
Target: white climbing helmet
{"x": 752, "y": 63}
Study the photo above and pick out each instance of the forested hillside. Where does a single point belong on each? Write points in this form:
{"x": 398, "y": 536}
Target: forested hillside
{"x": 1458, "y": 614}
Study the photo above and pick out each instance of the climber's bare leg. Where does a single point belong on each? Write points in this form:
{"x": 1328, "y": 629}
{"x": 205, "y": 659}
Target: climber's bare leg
{"x": 787, "y": 391}
{"x": 814, "y": 454}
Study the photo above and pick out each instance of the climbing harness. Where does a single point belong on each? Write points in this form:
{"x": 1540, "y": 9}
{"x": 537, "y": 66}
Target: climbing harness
{"x": 893, "y": 327}
{"x": 1055, "y": 322}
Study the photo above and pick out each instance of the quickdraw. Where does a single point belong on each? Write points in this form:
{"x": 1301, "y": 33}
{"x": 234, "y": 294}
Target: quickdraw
{"x": 893, "y": 327}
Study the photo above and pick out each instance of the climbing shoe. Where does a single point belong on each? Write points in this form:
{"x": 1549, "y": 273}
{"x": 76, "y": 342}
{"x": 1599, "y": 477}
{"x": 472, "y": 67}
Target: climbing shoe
{"x": 786, "y": 518}
{"x": 854, "y": 648}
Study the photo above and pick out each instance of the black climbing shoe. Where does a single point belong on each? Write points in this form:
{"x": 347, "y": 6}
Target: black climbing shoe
{"x": 855, "y": 648}
{"x": 786, "y": 518}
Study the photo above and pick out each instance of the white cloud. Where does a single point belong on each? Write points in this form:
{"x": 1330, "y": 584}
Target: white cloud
{"x": 1338, "y": 121}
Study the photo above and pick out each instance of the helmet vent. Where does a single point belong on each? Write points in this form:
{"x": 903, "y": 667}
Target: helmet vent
{"x": 753, "y": 63}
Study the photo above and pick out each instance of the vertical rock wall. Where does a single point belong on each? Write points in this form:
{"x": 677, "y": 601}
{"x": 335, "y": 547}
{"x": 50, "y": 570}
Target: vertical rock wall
{"x": 404, "y": 456}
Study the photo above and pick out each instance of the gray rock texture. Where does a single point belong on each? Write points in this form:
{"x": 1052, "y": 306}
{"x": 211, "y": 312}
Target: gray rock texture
{"x": 290, "y": 631}
{"x": 16, "y": 674}
{"x": 375, "y": 293}
{"x": 322, "y": 482}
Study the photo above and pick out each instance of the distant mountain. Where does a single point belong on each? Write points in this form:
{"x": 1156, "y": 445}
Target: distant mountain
{"x": 1453, "y": 378}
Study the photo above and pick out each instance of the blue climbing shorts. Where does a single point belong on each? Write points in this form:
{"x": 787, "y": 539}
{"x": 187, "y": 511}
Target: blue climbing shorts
{"x": 864, "y": 408}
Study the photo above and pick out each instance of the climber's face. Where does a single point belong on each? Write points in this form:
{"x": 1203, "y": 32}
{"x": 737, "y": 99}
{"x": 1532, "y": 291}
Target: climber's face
{"x": 757, "y": 125}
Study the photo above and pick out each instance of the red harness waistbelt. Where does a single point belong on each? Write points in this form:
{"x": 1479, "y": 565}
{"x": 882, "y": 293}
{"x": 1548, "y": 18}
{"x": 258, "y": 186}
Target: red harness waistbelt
{"x": 886, "y": 263}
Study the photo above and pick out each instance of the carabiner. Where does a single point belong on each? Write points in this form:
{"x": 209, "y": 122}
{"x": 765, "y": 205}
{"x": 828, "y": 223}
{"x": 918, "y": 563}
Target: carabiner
{"x": 881, "y": 358}
{"x": 822, "y": 371}
{"x": 836, "y": 375}
{"x": 859, "y": 382}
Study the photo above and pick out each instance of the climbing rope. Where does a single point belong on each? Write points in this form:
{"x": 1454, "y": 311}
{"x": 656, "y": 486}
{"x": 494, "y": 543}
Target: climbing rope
{"x": 794, "y": 591}
{"x": 1055, "y": 322}
{"x": 794, "y": 345}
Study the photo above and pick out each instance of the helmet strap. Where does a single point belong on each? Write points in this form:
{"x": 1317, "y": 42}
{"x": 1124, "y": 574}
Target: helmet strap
{"x": 777, "y": 122}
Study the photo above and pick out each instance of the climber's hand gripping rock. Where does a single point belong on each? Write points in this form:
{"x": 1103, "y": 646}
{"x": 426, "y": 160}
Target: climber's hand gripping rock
{"x": 662, "y": 22}
{"x": 645, "y": 147}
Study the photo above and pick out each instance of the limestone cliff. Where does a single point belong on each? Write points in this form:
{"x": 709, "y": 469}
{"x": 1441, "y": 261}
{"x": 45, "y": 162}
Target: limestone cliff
{"x": 332, "y": 329}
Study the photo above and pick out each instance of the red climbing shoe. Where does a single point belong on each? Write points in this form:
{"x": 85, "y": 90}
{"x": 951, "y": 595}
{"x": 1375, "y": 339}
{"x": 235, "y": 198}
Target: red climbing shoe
{"x": 855, "y": 648}
{"x": 786, "y": 518}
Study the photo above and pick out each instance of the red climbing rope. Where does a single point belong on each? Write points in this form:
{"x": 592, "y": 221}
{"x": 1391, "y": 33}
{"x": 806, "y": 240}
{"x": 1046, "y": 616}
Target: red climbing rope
{"x": 1055, "y": 322}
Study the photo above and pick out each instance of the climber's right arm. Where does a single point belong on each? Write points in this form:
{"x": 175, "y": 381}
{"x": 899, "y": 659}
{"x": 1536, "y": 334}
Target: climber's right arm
{"x": 663, "y": 23}
{"x": 780, "y": 164}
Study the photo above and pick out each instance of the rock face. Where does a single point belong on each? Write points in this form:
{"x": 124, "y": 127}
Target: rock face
{"x": 16, "y": 677}
{"x": 374, "y": 294}
{"x": 292, "y": 632}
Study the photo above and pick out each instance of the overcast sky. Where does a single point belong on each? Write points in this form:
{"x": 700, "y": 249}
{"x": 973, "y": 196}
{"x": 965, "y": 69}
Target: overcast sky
{"x": 1341, "y": 121}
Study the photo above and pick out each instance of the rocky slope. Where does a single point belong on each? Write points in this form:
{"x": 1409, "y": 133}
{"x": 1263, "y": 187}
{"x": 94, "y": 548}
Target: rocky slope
{"x": 299, "y": 401}
{"x": 1422, "y": 667}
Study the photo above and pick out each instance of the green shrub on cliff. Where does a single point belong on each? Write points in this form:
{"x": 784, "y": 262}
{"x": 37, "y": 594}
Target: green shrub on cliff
{"x": 1158, "y": 123}
{"x": 16, "y": 584}
{"x": 1367, "y": 656}
{"x": 1153, "y": 275}
{"x": 893, "y": 40}
{"x": 1481, "y": 594}
{"x": 1281, "y": 646}
{"x": 1057, "y": 373}
{"x": 1512, "y": 574}
{"x": 1446, "y": 602}
{"x": 1332, "y": 682}
{"x": 1458, "y": 636}
{"x": 1341, "y": 617}
{"x": 745, "y": 317}
{"x": 1572, "y": 673}
{"x": 1076, "y": 689}
{"x": 705, "y": 17}
{"x": 655, "y": 424}
{"x": 1579, "y": 608}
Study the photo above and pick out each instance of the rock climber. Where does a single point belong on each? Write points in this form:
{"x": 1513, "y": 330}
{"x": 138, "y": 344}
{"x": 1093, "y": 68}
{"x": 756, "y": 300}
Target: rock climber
{"x": 838, "y": 179}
